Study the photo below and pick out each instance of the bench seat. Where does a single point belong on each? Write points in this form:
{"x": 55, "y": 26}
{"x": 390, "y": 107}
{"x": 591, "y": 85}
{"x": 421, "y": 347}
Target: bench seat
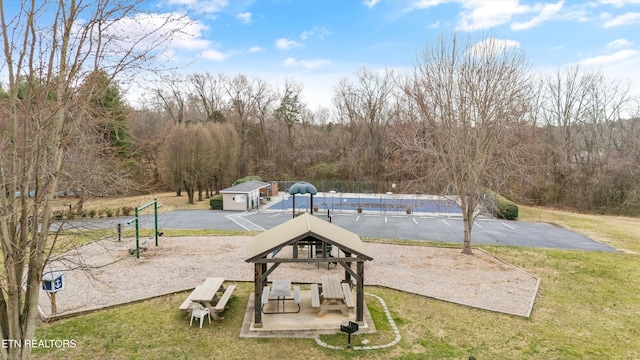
{"x": 348, "y": 298}
{"x": 220, "y": 306}
{"x": 315, "y": 296}
{"x": 187, "y": 302}
{"x": 296, "y": 295}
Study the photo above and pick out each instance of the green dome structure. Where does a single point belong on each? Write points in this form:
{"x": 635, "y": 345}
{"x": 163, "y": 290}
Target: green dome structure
{"x": 302, "y": 188}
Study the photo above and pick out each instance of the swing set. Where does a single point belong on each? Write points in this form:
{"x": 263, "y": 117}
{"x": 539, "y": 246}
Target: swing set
{"x": 135, "y": 219}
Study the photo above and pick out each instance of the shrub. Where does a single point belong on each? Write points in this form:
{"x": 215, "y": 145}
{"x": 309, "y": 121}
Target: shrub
{"x": 500, "y": 206}
{"x": 92, "y": 213}
{"x": 109, "y": 213}
{"x": 216, "y": 202}
{"x": 507, "y": 209}
{"x": 127, "y": 210}
{"x": 247, "y": 179}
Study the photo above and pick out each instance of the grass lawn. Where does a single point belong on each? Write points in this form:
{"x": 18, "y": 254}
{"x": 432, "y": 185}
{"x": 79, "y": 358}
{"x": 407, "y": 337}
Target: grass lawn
{"x": 587, "y": 308}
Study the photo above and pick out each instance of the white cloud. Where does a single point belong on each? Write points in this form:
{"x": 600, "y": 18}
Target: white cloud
{"x": 622, "y": 65}
{"x": 619, "y": 43}
{"x": 244, "y": 17}
{"x": 619, "y": 3}
{"x": 255, "y": 49}
{"x": 485, "y": 47}
{"x": 207, "y": 6}
{"x": 190, "y": 37}
{"x": 318, "y": 31}
{"x": 214, "y": 55}
{"x": 625, "y": 19}
{"x": 484, "y": 14}
{"x": 307, "y": 64}
{"x": 545, "y": 11}
{"x": 286, "y": 44}
{"x": 609, "y": 59}
{"x": 160, "y": 33}
{"x": 371, "y": 3}
{"x": 424, "y": 4}
{"x": 480, "y": 14}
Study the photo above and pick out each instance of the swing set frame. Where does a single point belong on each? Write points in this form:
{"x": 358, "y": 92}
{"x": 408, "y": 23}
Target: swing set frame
{"x": 135, "y": 219}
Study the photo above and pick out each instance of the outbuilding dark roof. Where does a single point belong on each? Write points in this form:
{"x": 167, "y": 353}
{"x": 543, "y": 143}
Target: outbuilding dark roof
{"x": 247, "y": 187}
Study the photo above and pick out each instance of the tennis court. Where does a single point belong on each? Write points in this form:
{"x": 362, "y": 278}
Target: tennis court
{"x": 370, "y": 203}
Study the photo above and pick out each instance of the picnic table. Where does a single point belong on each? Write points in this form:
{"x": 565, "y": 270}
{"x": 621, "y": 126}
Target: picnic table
{"x": 281, "y": 289}
{"x": 336, "y": 296}
{"x": 206, "y": 294}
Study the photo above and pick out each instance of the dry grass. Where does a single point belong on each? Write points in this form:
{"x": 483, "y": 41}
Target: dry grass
{"x": 618, "y": 231}
{"x": 169, "y": 202}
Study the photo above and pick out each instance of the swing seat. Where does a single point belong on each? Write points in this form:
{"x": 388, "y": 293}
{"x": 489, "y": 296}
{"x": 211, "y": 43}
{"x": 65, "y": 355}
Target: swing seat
{"x": 133, "y": 251}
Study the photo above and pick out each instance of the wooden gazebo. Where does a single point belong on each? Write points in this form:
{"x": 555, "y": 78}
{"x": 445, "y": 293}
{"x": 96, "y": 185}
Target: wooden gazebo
{"x": 310, "y": 231}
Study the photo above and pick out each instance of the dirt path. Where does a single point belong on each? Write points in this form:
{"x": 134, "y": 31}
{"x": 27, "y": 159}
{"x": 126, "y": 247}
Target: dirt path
{"x": 181, "y": 263}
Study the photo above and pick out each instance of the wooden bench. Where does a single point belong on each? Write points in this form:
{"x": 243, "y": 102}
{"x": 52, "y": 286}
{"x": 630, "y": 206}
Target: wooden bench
{"x": 220, "y": 306}
{"x": 265, "y": 297}
{"x": 348, "y": 299}
{"x": 315, "y": 296}
{"x": 296, "y": 295}
{"x": 187, "y": 302}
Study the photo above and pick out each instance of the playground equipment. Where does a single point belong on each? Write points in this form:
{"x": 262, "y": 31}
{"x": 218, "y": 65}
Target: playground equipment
{"x": 155, "y": 227}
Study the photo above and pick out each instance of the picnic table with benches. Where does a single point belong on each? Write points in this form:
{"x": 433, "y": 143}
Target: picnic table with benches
{"x": 336, "y": 296}
{"x": 281, "y": 289}
{"x": 207, "y": 295}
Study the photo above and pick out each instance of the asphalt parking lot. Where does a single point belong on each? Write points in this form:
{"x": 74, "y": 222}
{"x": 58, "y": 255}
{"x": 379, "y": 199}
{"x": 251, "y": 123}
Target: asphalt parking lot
{"x": 396, "y": 226}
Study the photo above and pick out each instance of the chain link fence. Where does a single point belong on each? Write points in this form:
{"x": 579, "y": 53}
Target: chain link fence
{"x": 343, "y": 186}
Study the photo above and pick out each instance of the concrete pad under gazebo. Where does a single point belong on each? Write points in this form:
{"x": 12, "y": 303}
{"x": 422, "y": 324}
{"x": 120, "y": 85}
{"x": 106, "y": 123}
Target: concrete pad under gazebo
{"x": 307, "y": 230}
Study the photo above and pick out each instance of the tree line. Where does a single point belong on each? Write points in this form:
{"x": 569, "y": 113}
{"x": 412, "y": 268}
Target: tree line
{"x": 572, "y": 136}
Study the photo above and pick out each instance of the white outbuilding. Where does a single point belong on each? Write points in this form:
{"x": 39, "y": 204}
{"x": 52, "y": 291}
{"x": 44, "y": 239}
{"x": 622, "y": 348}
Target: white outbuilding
{"x": 245, "y": 196}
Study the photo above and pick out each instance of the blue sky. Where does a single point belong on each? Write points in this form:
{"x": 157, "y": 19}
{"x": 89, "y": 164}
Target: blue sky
{"x": 319, "y": 42}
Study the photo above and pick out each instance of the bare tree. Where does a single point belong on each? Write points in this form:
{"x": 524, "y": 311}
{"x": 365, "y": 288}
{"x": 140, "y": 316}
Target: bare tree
{"x": 226, "y": 147}
{"x": 47, "y": 55}
{"x": 210, "y": 93}
{"x": 198, "y": 156}
{"x": 266, "y": 98}
{"x": 172, "y": 96}
{"x": 290, "y": 109}
{"x": 367, "y": 107}
{"x": 583, "y": 113}
{"x": 469, "y": 98}
{"x": 241, "y": 92}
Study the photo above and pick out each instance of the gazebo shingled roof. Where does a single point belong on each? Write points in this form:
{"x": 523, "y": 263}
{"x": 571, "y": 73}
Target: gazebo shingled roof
{"x": 300, "y": 228}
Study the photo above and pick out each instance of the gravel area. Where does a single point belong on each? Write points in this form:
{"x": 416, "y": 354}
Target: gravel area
{"x": 103, "y": 274}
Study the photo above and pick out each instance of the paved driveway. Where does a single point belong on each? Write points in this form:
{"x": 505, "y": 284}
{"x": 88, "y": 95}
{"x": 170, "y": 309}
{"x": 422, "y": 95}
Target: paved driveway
{"x": 411, "y": 227}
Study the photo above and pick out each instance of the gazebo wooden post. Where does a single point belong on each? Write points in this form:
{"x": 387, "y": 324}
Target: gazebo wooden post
{"x": 265, "y": 282}
{"x": 360, "y": 293}
{"x": 294, "y": 206}
{"x": 347, "y": 275}
{"x": 257, "y": 302}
